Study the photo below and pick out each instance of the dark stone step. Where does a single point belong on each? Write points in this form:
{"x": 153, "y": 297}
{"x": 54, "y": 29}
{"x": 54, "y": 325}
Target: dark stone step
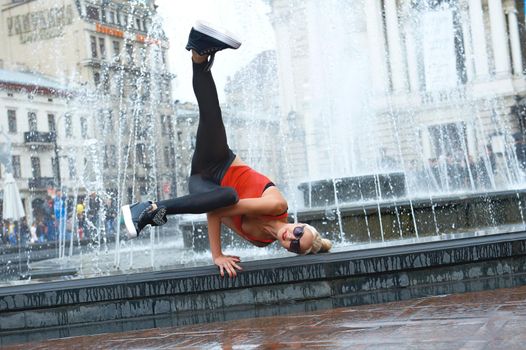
{"x": 340, "y": 279}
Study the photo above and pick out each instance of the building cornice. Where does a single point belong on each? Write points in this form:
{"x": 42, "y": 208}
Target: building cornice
{"x": 16, "y": 4}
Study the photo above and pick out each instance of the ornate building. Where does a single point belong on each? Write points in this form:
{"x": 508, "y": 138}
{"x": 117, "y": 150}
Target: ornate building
{"x": 31, "y": 104}
{"x": 112, "y": 57}
{"x": 411, "y": 81}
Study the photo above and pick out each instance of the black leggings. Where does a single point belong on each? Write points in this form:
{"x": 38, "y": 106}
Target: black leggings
{"x": 212, "y": 156}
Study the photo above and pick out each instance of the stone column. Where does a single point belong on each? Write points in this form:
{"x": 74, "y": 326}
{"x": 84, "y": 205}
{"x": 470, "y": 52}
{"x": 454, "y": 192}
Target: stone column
{"x": 499, "y": 37}
{"x": 376, "y": 40}
{"x": 394, "y": 45}
{"x": 412, "y": 62}
{"x": 410, "y": 22}
{"x": 513, "y": 28}
{"x": 480, "y": 53}
{"x": 466, "y": 36}
{"x": 281, "y": 18}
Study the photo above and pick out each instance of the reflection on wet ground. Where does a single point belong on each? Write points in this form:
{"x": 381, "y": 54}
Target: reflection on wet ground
{"x": 483, "y": 320}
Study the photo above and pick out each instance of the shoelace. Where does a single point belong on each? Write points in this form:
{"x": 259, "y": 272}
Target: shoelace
{"x": 160, "y": 216}
{"x": 210, "y": 62}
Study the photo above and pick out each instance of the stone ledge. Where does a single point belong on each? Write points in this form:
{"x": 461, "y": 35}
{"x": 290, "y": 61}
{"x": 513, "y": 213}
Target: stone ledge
{"x": 352, "y": 277}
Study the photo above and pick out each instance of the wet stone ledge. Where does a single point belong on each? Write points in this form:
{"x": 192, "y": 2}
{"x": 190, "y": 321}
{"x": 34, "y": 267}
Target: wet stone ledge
{"x": 193, "y": 295}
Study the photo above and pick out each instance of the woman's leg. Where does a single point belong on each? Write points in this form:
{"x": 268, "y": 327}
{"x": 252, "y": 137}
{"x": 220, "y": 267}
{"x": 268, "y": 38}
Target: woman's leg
{"x": 212, "y": 154}
{"x": 205, "y": 196}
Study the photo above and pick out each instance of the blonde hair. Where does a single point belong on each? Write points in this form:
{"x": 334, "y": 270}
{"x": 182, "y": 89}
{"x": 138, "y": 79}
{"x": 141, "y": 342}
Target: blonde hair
{"x": 319, "y": 244}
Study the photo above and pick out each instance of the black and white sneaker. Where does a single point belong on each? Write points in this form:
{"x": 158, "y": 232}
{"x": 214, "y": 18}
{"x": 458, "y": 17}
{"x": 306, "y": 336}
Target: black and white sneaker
{"x": 207, "y": 39}
{"x": 140, "y": 214}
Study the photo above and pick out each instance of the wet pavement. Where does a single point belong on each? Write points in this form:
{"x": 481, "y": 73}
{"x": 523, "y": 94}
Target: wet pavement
{"x": 471, "y": 321}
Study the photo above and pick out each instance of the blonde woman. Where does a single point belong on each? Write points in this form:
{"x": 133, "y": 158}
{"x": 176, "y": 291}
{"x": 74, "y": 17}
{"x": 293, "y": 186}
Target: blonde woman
{"x": 221, "y": 184}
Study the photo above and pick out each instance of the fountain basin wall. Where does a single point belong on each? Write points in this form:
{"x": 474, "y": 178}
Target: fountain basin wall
{"x": 394, "y": 219}
{"x": 15, "y": 260}
{"x": 353, "y": 189}
{"x": 268, "y": 287}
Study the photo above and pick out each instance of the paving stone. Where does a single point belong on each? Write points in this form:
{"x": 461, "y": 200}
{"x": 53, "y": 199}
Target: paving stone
{"x": 452, "y": 322}
{"x": 276, "y": 288}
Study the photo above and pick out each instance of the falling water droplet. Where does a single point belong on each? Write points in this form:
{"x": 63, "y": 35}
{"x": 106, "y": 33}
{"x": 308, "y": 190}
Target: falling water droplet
{"x": 330, "y": 214}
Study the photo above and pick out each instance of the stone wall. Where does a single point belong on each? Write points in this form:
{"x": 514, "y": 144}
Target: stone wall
{"x": 267, "y": 287}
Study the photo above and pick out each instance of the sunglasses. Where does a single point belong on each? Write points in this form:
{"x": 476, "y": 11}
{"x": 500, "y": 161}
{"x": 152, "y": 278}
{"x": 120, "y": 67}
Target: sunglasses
{"x": 295, "y": 244}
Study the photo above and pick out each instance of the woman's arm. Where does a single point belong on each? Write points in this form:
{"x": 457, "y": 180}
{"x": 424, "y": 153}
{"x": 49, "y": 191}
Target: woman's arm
{"x": 271, "y": 203}
{"x": 225, "y": 262}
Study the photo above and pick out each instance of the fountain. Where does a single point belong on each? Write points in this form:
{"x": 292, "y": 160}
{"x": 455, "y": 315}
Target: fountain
{"x": 402, "y": 134}
{"x": 401, "y": 146}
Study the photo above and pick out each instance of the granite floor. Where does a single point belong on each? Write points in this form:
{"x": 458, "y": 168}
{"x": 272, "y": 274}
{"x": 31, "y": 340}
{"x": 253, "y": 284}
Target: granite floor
{"x": 484, "y": 320}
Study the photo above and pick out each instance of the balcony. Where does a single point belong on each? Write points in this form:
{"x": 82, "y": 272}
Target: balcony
{"x": 37, "y": 138}
{"x": 40, "y": 183}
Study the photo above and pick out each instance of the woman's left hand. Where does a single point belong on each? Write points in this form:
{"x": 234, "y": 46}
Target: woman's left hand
{"x": 228, "y": 263}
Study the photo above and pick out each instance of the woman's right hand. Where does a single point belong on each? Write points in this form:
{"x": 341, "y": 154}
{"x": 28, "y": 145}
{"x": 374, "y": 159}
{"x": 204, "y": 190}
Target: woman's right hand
{"x": 229, "y": 264}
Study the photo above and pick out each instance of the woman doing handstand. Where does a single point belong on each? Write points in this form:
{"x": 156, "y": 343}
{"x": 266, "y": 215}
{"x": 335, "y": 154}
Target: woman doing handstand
{"x": 221, "y": 184}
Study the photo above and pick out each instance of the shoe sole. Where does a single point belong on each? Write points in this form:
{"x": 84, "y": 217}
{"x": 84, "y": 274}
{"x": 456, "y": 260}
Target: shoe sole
{"x": 158, "y": 218}
{"x": 218, "y": 33}
{"x": 128, "y": 221}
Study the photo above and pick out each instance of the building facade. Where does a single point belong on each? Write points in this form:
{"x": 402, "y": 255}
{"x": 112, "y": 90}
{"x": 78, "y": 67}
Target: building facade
{"x": 415, "y": 82}
{"x": 112, "y": 54}
{"x": 32, "y": 104}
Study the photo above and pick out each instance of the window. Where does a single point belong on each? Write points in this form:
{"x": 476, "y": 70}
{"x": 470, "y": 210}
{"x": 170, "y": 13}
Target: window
{"x": 106, "y": 82}
{"x": 448, "y": 140}
{"x": 109, "y": 121}
{"x": 123, "y": 120}
{"x": 102, "y": 47}
{"x": 166, "y": 125}
{"x": 140, "y": 153}
{"x": 119, "y": 85}
{"x": 138, "y": 23}
{"x": 142, "y": 56}
{"x": 105, "y": 161}
{"x": 51, "y": 122}
{"x": 165, "y": 91}
{"x": 54, "y": 167}
{"x": 96, "y": 78}
{"x": 116, "y": 50}
{"x": 71, "y": 168}
{"x": 11, "y": 117}
{"x": 35, "y": 167}
{"x": 123, "y": 19}
{"x": 84, "y": 127}
{"x": 111, "y": 17}
{"x": 92, "y": 12}
{"x": 129, "y": 53}
{"x": 16, "y": 167}
{"x": 68, "y": 126}
{"x": 169, "y": 156}
{"x": 93, "y": 42}
{"x": 32, "y": 120}
{"x": 113, "y": 156}
{"x": 127, "y": 156}
{"x": 110, "y": 156}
